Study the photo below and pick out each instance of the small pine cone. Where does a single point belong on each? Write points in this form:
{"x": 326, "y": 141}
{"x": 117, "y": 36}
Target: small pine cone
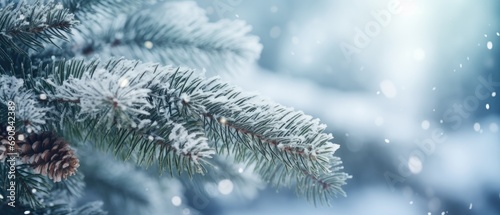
{"x": 49, "y": 155}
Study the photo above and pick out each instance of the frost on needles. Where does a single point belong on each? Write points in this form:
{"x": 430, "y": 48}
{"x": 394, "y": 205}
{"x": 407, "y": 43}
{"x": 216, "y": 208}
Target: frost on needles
{"x": 63, "y": 78}
{"x": 177, "y": 118}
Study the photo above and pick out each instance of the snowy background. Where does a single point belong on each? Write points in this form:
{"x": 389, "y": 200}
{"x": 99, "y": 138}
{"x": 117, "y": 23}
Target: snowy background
{"x": 411, "y": 98}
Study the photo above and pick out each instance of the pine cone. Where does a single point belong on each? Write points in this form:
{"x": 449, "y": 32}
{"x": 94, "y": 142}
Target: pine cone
{"x": 49, "y": 155}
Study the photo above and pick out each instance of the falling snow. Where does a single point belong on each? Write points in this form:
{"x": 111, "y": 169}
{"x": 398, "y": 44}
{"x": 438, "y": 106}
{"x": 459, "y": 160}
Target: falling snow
{"x": 489, "y": 45}
{"x": 415, "y": 164}
{"x": 148, "y": 44}
{"x": 176, "y": 201}
{"x": 43, "y": 96}
{"x": 425, "y": 124}
{"x": 477, "y": 127}
{"x": 225, "y": 187}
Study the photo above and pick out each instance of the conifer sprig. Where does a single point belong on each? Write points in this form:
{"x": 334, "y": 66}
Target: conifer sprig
{"x": 27, "y": 26}
{"x": 181, "y": 111}
{"x": 178, "y": 33}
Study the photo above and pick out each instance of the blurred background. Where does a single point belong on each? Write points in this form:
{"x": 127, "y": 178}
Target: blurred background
{"x": 407, "y": 87}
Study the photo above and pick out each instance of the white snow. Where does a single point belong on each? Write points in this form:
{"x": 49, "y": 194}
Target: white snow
{"x": 59, "y": 6}
{"x": 123, "y": 82}
{"x": 193, "y": 143}
{"x": 225, "y": 187}
{"x": 489, "y": 45}
{"x": 176, "y": 201}
{"x": 43, "y": 96}
{"x": 109, "y": 90}
{"x": 425, "y": 124}
{"x": 415, "y": 164}
{"x": 477, "y": 127}
{"x": 148, "y": 44}
{"x": 185, "y": 98}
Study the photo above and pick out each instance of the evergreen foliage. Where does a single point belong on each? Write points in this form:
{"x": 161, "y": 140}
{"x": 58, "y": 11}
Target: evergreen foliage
{"x": 72, "y": 80}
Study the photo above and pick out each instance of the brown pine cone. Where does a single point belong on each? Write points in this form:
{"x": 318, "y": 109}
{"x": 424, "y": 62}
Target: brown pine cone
{"x": 49, "y": 155}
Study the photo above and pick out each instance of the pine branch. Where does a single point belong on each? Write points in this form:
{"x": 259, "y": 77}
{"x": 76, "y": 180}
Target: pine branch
{"x": 29, "y": 25}
{"x": 161, "y": 100}
{"x": 30, "y": 188}
{"x": 53, "y": 209}
{"x": 27, "y": 108}
{"x": 72, "y": 188}
{"x": 319, "y": 189}
{"x": 87, "y": 9}
{"x": 183, "y": 36}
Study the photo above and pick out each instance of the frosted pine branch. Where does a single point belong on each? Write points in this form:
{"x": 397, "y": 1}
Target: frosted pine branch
{"x": 181, "y": 109}
{"x": 89, "y": 8}
{"x": 115, "y": 96}
{"x": 29, "y": 25}
{"x": 27, "y": 108}
{"x": 194, "y": 144}
{"x": 181, "y": 35}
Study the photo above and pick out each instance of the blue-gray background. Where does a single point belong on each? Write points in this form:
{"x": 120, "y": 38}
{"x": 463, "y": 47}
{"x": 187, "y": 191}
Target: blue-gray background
{"x": 415, "y": 133}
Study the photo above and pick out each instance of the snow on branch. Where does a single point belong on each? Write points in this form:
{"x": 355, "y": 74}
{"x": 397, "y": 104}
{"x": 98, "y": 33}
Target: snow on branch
{"x": 194, "y": 144}
{"x": 179, "y": 33}
{"x": 175, "y": 111}
{"x": 27, "y": 108}
{"x": 89, "y": 8}
{"x": 113, "y": 103}
{"x": 29, "y": 25}
{"x": 117, "y": 95}
{"x": 257, "y": 125}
